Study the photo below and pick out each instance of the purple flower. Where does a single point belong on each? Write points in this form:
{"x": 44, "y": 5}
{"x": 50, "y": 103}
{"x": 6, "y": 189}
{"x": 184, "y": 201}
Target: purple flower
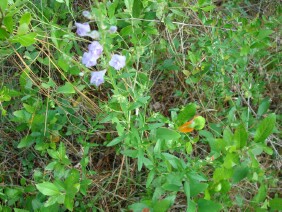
{"x": 117, "y": 61}
{"x": 82, "y": 29}
{"x": 95, "y": 48}
{"x": 113, "y": 29}
{"x": 94, "y": 34}
{"x": 97, "y": 77}
{"x": 89, "y": 59}
{"x": 87, "y": 14}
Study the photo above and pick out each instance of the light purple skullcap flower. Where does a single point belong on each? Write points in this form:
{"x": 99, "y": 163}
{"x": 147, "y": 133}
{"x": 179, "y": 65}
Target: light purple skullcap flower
{"x": 82, "y": 29}
{"x": 113, "y": 29}
{"x": 97, "y": 77}
{"x": 95, "y": 48}
{"x": 117, "y": 61}
{"x": 87, "y": 14}
{"x": 89, "y": 59}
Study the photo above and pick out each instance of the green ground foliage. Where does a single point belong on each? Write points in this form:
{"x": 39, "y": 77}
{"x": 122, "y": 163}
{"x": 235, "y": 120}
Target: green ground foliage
{"x": 175, "y": 107}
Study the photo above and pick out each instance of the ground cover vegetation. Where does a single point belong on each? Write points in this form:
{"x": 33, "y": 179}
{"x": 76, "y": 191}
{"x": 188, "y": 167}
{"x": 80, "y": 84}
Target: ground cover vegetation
{"x": 140, "y": 105}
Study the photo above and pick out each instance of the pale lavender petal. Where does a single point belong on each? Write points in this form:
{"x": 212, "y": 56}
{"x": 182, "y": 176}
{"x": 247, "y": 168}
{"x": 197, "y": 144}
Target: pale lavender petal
{"x": 87, "y": 14}
{"x": 94, "y": 34}
{"x": 89, "y": 60}
{"x": 97, "y": 77}
{"x": 95, "y": 48}
{"x": 82, "y": 29}
{"x": 117, "y": 61}
{"x": 113, "y": 29}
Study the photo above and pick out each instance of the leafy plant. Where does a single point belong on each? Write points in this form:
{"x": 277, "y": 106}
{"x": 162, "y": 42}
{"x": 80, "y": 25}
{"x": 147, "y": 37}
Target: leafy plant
{"x": 139, "y": 105}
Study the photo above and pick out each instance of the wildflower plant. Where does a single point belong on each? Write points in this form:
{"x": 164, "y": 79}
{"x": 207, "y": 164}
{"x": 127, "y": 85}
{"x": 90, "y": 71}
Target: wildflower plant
{"x": 89, "y": 59}
{"x": 117, "y": 61}
{"x": 83, "y": 29}
{"x": 97, "y": 77}
{"x": 95, "y": 50}
{"x": 183, "y": 123}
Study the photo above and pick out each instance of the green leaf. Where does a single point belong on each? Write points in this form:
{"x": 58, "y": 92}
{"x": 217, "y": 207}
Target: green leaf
{"x": 52, "y": 200}
{"x": 222, "y": 174}
{"x": 84, "y": 184}
{"x": 69, "y": 201}
{"x": 161, "y": 206}
{"x": 62, "y": 63}
{"x": 138, "y": 206}
{"x": 25, "y": 19}
{"x": 23, "y": 29}
{"x": 140, "y": 161}
{"x": 170, "y": 187}
{"x": 3, "y": 5}
{"x": 240, "y": 172}
{"x": 240, "y": 136}
{"x": 264, "y": 33}
{"x": 126, "y": 31}
{"x": 53, "y": 154}
{"x": 188, "y": 147}
{"x": 22, "y": 115}
{"x": 173, "y": 160}
{"x": 208, "y": 206}
{"x": 261, "y": 195}
{"x": 265, "y": 128}
{"x": 29, "y": 108}
{"x": 136, "y": 9}
{"x": 150, "y": 178}
{"x": 112, "y": 8}
{"x": 263, "y": 107}
{"x": 67, "y": 88}
{"x": 187, "y": 190}
{"x": 197, "y": 187}
{"x": 61, "y": 150}
{"x": 167, "y": 134}
{"x": 20, "y": 210}
{"x": 192, "y": 57}
{"x": 186, "y": 114}
{"x": 51, "y": 166}
{"x": 208, "y": 8}
{"x": 169, "y": 23}
{"x": 9, "y": 23}
{"x": 218, "y": 145}
{"x": 231, "y": 160}
{"x": 276, "y": 203}
{"x": 48, "y": 189}
{"x": 199, "y": 122}
{"x": 49, "y": 84}
{"x": 3, "y": 34}
{"x": 228, "y": 136}
{"x": 71, "y": 183}
{"x": 128, "y": 4}
{"x": 115, "y": 141}
{"x": 26, "y": 142}
{"x": 178, "y": 12}
{"x": 25, "y": 40}
{"x": 192, "y": 207}
{"x": 25, "y": 81}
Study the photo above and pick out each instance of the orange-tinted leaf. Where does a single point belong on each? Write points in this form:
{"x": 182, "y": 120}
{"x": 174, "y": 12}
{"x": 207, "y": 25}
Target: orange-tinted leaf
{"x": 54, "y": 138}
{"x": 186, "y": 127}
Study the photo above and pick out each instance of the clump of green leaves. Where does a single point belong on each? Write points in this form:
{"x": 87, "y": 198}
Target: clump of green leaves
{"x": 204, "y": 154}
